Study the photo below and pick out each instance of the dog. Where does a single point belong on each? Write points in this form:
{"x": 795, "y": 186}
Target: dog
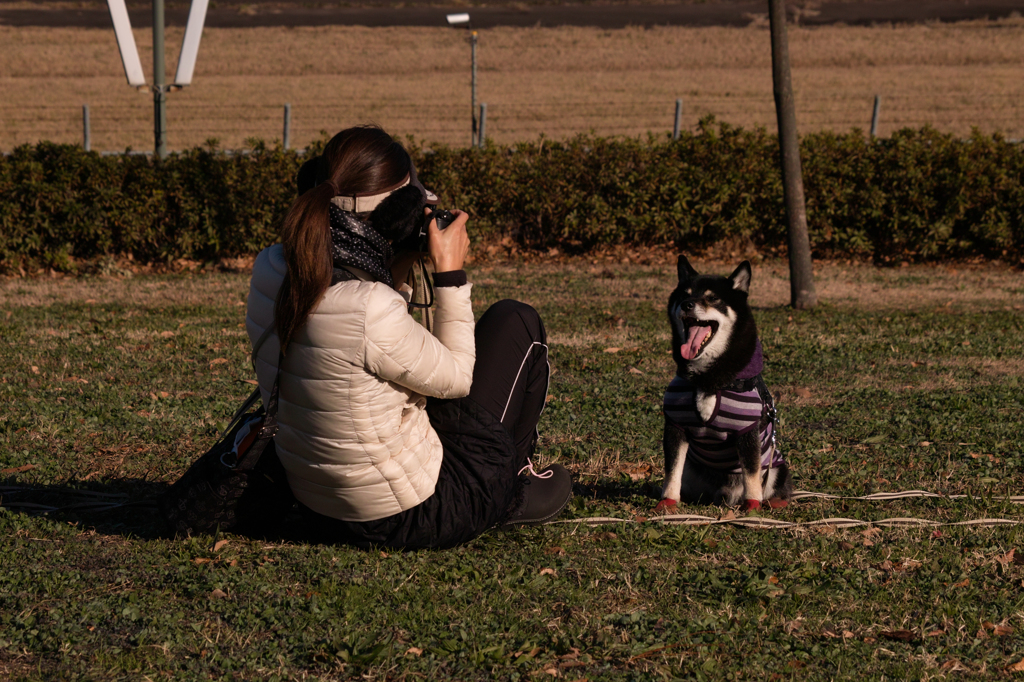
{"x": 720, "y": 425}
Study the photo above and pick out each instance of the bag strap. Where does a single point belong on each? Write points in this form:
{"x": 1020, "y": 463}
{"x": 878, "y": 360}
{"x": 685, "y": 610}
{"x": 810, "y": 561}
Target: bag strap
{"x": 255, "y": 395}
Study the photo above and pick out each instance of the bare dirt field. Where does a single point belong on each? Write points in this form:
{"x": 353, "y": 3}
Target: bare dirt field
{"x": 551, "y": 81}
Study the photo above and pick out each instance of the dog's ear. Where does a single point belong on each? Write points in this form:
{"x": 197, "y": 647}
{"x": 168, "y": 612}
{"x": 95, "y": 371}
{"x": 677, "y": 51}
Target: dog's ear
{"x": 741, "y": 277}
{"x": 685, "y": 270}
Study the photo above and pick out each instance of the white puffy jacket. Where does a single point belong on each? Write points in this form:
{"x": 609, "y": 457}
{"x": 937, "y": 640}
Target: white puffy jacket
{"x": 354, "y": 435}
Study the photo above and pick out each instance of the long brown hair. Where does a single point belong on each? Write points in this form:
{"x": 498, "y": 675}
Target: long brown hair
{"x": 360, "y": 160}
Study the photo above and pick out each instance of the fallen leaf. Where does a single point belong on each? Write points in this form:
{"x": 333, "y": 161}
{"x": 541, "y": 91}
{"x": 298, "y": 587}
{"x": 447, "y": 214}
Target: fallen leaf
{"x": 201, "y": 560}
{"x": 415, "y": 651}
{"x": 35, "y": 370}
{"x": 729, "y": 515}
{"x": 548, "y": 571}
{"x": 868, "y": 532}
{"x": 847, "y": 634}
{"x": 218, "y": 594}
{"x": 963, "y": 583}
{"x": 1017, "y": 667}
{"x": 217, "y": 546}
{"x": 925, "y": 443}
{"x": 556, "y": 550}
{"x": 166, "y": 335}
{"x": 612, "y": 349}
{"x": 845, "y": 545}
{"x": 634, "y": 370}
{"x": 803, "y": 392}
{"x": 936, "y": 534}
{"x": 17, "y": 470}
{"x": 552, "y": 671}
{"x": 1006, "y": 559}
{"x": 791, "y": 626}
{"x": 218, "y": 361}
{"x": 829, "y": 632}
{"x": 936, "y": 633}
{"x": 251, "y": 381}
{"x": 868, "y": 543}
{"x": 164, "y": 394}
{"x": 608, "y": 535}
{"x": 884, "y": 566}
{"x": 1002, "y": 630}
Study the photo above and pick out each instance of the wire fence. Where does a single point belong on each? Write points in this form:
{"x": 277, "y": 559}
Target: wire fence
{"x": 115, "y": 127}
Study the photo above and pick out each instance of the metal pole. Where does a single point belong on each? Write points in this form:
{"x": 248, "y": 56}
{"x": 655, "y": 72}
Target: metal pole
{"x": 483, "y": 126}
{"x": 801, "y": 273}
{"x": 874, "y": 116}
{"x": 473, "y": 136}
{"x": 159, "y": 85}
{"x": 86, "y": 142}
{"x": 679, "y": 119}
{"x": 286, "y": 137}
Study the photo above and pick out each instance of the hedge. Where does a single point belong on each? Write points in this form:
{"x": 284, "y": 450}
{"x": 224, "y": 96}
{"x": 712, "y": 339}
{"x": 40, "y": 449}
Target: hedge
{"x": 918, "y": 195}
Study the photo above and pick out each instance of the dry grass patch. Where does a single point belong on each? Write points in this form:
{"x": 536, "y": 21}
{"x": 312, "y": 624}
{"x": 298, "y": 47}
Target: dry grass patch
{"x": 535, "y": 80}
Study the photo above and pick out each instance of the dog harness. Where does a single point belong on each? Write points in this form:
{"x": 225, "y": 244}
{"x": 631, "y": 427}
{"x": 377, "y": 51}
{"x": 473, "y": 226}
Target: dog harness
{"x": 737, "y": 410}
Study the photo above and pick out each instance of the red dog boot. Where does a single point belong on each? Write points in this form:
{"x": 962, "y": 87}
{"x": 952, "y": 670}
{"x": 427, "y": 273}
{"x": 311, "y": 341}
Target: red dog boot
{"x": 665, "y": 505}
{"x": 751, "y": 505}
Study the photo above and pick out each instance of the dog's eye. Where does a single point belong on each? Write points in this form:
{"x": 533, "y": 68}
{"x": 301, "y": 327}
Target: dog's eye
{"x": 710, "y": 297}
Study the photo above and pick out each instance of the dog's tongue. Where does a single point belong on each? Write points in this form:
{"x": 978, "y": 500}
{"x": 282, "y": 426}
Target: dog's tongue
{"x": 697, "y": 334}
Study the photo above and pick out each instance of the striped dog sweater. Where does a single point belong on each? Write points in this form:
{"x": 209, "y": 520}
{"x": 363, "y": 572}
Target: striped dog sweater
{"x": 713, "y": 443}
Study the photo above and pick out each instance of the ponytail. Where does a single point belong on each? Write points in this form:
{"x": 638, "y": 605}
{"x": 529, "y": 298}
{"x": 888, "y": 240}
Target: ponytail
{"x": 306, "y": 237}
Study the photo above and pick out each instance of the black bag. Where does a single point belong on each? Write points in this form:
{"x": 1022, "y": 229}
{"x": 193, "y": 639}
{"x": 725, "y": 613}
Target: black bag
{"x": 228, "y": 489}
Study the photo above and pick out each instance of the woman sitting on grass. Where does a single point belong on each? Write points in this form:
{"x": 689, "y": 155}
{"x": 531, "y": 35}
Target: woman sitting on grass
{"x": 392, "y": 436}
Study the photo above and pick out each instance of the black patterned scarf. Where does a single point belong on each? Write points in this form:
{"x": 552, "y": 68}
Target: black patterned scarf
{"x": 358, "y": 245}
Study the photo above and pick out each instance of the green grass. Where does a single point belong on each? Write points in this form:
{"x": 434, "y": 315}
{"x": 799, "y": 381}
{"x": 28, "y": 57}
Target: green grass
{"x": 117, "y": 391}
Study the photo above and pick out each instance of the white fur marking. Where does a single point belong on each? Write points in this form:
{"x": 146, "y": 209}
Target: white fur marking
{"x": 674, "y": 478}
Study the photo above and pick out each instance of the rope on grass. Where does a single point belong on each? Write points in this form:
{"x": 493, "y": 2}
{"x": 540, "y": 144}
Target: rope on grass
{"x": 778, "y": 524}
{"x": 882, "y": 497}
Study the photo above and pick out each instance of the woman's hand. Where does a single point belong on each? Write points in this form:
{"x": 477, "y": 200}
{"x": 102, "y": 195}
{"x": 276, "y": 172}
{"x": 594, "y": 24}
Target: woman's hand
{"x": 448, "y": 247}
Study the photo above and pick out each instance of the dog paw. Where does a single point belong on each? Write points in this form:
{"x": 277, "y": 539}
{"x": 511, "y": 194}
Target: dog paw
{"x": 751, "y": 505}
{"x": 777, "y": 503}
{"x": 665, "y": 505}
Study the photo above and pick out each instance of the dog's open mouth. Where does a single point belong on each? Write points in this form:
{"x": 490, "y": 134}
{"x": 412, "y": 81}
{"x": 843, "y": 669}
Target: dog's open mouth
{"x": 698, "y": 334}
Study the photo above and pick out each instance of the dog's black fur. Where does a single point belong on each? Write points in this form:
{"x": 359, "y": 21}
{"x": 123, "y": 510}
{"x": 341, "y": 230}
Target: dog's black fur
{"x": 719, "y": 303}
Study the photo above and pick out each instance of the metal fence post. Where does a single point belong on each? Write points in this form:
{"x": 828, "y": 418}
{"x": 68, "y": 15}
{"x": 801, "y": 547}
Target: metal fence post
{"x": 286, "y": 137}
{"x": 482, "y": 134}
{"x": 473, "y": 136}
{"x": 86, "y": 141}
{"x": 679, "y": 119}
{"x": 159, "y": 83}
{"x": 874, "y": 116}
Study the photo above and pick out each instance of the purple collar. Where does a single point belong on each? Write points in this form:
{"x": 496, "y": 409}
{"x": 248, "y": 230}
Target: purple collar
{"x": 755, "y": 365}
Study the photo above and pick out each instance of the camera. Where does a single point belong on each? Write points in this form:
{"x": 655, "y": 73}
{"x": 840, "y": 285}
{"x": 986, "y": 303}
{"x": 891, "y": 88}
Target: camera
{"x": 443, "y": 217}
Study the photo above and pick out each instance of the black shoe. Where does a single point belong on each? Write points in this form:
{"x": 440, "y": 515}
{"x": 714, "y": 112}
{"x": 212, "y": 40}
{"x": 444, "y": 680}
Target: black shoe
{"x": 544, "y": 495}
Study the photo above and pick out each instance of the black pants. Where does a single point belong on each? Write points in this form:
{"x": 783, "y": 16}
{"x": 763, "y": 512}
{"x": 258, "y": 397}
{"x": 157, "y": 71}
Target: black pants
{"x": 487, "y": 437}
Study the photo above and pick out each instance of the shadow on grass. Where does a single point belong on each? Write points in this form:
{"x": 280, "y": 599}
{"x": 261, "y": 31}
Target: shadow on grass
{"x": 121, "y": 506}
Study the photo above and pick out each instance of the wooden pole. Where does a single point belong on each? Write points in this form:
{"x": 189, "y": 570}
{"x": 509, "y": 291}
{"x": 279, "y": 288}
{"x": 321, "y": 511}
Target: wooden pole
{"x": 679, "y": 119}
{"x": 801, "y": 273}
